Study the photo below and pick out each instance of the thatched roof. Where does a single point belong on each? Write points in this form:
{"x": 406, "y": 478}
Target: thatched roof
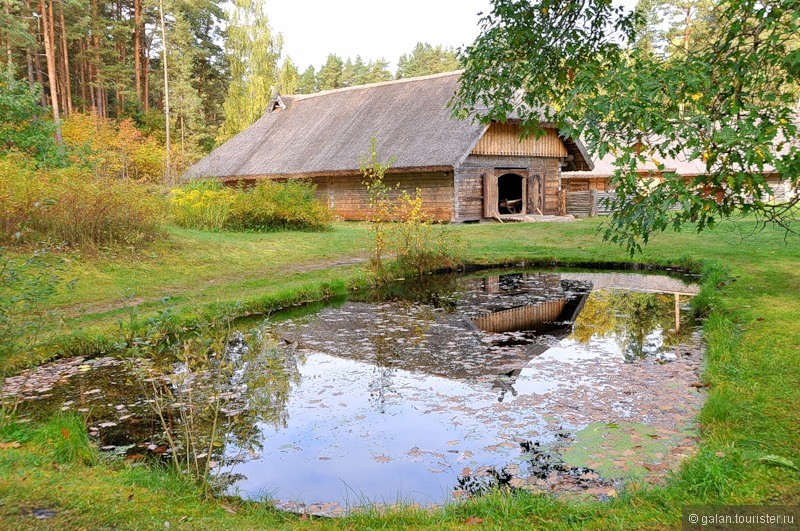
{"x": 329, "y": 132}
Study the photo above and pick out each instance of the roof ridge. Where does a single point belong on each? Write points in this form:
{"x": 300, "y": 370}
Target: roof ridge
{"x": 300, "y": 97}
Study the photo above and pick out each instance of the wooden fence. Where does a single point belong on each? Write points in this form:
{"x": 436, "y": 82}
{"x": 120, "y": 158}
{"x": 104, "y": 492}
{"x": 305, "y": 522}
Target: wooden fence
{"x": 588, "y": 203}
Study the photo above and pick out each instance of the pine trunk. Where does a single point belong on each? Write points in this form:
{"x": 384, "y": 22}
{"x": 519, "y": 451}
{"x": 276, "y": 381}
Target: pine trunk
{"x": 137, "y": 47}
{"x": 82, "y": 51}
{"x": 37, "y": 31}
{"x": 47, "y": 34}
{"x": 166, "y": 88}
{"x": 100, "y": 102}
{"x": 146, "y": 81}
{"x": 65, "y": 51}
{"x": 9, "y": 53}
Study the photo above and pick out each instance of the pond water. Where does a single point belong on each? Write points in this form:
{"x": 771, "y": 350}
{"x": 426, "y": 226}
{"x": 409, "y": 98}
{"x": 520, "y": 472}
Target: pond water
{"x": 422, "y": 392}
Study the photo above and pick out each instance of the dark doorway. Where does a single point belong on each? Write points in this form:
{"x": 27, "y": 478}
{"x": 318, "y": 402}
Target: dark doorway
{"x": 509, "y": 194}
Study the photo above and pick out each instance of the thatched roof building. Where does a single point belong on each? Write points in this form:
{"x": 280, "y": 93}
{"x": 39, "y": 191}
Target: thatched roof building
{"x": 682, "y": 164}
{"x": 459, "y": 166}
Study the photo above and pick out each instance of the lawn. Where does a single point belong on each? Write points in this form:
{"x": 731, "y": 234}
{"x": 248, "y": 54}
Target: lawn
{"x": 750, "y": 285}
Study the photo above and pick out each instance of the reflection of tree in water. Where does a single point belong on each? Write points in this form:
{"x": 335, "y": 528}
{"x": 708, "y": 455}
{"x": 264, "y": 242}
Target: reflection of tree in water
{"x": 221, "y": 391}
{"x": 597, "y": 318}
{"x": 391, "y": 341}
{"x": 641, "y": 323}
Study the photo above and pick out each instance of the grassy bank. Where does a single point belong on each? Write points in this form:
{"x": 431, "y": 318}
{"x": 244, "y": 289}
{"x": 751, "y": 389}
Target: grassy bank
{"x": 750, "y": 286}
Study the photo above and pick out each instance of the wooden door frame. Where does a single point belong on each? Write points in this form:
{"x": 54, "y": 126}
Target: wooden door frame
{"x": 491, "y": 191}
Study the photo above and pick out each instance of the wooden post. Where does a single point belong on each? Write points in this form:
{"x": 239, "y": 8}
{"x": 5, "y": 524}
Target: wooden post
{"x": 592, "y": 203}
{"x": 562, "y": 202}
{"x": 677, "y": 312}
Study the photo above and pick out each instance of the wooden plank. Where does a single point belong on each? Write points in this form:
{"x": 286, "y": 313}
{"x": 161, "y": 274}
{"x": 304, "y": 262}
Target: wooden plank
{"x": 503, "y": 139}
{"x": 490, "y": 195}
{"x": 535, "y": 205}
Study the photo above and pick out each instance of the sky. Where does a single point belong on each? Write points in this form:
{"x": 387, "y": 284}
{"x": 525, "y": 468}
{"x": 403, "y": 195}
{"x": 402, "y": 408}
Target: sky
{"x": 312, "y": 29}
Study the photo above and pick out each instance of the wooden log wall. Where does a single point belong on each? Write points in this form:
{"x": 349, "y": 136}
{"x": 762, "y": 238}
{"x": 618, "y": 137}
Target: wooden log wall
{"x": 469, "y": 182}
{"x": 534, "y": 317}
{"x": 348, "y": 198}
{"x": 589, "y": 203}
{"x": 503, "y": 139}
{"x": 583, "y": 184}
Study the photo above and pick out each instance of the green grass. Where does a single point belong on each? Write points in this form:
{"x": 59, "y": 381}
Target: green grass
{"x": 751, "y": 294}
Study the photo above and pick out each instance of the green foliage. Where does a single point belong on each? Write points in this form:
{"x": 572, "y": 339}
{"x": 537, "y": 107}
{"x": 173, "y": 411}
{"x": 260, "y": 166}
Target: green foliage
{"x": 330, "y": 74}
{"x": 400, "y": 225}
{"x": 113, "y": 149}
{"x": 288, "y": 77}
{"x": 381, "y": 207}
{"x": 253, "y": 54}
{"x": 23, "y": 127}
{"x": 71, "y": 206}
{"x": 271, "y": 205}
{"x": 201, "y": 205}
{"x": 86, "y": 211}
{"x": 416, "y": 246}
{"x": 777, "y": 460}
{"x": 208, "y": 205}
{"x": 426, "y": 59}
{"x": 307, "y": 82}
{"x": 26, "y": 285}
{"x": 728, "y": 102}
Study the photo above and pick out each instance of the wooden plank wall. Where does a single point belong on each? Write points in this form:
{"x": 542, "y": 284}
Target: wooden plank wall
{"x": 588, "y": 203}
{"x": 469, "y": 182}
{"x": 503, "y": 139}
{"x": 532, "y": 317}
{"x": 347, "y": 196}
{"x": 582, "y": 184}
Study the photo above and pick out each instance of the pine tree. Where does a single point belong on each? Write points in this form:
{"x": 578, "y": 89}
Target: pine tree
{"x": 307, "y": 83}
{"x": 186, "y": 104}
{"x": 426, "y": 59}
{"x": 330, "y": 74}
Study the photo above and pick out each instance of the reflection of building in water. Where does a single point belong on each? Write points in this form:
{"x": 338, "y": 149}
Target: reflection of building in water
{"x": 492, "y": 327}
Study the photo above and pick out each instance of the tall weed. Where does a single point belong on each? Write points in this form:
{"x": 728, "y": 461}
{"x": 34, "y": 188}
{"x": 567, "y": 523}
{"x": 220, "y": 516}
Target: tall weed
{"x": 72, "y": 206}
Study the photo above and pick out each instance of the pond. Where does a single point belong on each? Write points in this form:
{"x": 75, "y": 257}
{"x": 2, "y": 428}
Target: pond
{"x": 571, "y": 382}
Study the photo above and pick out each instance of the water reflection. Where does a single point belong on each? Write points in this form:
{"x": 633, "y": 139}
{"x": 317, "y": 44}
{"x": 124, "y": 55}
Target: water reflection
{"x": 642, "y": 324}
{"x": 398, "y": 392}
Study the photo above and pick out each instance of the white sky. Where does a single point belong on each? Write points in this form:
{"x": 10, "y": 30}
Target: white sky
{"x": 373, "y": 28}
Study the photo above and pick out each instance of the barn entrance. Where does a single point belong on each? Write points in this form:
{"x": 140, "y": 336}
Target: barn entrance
{"x": 510, "y": 198}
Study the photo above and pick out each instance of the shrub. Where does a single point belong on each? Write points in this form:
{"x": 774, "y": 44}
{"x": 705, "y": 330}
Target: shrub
{"x": 202, "y": 205}
{"x": 71, "y": 206}
{"x": 112, "y": 149}
{"x": 207, "y": 205}
{"x": 402, "y": 227}
{"x": 82, "y": 210}
{"x": 20, "y": 196}
{"x": 271, "y": 205}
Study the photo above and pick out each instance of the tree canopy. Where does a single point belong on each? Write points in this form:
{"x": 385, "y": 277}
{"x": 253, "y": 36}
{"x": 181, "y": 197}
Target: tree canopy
{"x": 427, "y": 59}
{"x": 728, "y": 100}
